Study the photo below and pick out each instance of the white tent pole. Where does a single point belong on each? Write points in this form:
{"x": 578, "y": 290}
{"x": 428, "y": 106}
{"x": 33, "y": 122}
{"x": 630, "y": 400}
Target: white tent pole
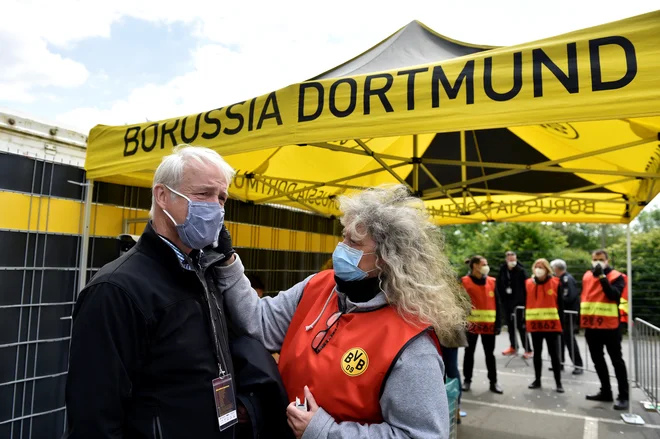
{"x": 84, "y": 248}
{"x": 630, "y": 417}
{"x": 463, "y": 167}
{"x": 631, "y": 357}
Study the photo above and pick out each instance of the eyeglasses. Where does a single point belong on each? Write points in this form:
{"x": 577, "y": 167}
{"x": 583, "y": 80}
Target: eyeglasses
{"x": 323, "y": 337}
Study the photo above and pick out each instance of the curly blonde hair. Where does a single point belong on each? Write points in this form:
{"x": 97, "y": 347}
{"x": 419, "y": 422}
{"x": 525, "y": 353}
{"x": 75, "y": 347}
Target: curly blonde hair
{"x": 416, "y": 275}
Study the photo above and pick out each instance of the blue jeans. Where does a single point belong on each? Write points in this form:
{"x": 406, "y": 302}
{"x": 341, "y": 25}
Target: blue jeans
{"x": 450, "y": 358}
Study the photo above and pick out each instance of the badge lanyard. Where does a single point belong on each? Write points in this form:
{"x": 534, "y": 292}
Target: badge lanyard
{"x": 224, "y": 394}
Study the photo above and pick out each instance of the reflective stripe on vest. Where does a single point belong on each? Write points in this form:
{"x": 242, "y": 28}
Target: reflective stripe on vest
{"x": 484, "y": 305}
{"x": 347, "y": 376}
{"x": 596, "y": 310}
{"x": 541, "y": 313}
{"x": 482, "y": 315}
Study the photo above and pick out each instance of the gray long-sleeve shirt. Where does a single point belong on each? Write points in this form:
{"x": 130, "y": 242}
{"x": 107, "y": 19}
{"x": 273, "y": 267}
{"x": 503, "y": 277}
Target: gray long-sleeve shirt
{"x": 414, "y": 401}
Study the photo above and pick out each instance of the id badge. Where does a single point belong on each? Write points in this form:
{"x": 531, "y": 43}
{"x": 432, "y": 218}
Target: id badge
{"x": 509, "y": 290}
{"x": 225, "y": 402}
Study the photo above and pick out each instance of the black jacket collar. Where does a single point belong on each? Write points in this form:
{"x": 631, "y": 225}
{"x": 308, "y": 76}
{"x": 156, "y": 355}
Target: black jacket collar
{"x": 151, "y": 244}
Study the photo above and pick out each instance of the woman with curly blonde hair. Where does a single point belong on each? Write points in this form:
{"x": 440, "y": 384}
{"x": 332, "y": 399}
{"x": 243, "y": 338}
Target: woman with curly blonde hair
{"x": 360, "y": 343}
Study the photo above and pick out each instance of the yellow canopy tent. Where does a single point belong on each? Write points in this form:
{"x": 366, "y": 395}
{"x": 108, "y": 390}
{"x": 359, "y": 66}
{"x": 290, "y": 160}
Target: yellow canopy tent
{"x": 563, "y": 129}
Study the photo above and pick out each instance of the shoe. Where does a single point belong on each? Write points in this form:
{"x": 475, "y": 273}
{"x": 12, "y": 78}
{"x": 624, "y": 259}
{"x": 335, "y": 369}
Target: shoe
{"x": 495, "y": 388}
{"x": 466, "y": 386}
{"x": 578, "y": 371}
{"x": 559, "y": 389}
{"x": 621, "y": 404}
{"x": 462, "y": 413}
{"x": 510, "y": 351}
{"x": 551, "y": 369}
{"x": 528, "y": 355}
{"x": 601, "y": 397}
{"x": 535, "y": 385}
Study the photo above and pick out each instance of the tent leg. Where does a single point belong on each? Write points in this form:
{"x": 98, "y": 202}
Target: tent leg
{"x": 84, "y": 248}
{"x": 630, "y": 417}
{"x": 463, "y": 168}
{"x": 415, "y": 165}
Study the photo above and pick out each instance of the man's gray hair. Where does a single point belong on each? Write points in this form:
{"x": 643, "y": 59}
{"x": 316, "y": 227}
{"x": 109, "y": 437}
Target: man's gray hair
{"x": 559, "y": 264}
{"x": 170, "y": 170}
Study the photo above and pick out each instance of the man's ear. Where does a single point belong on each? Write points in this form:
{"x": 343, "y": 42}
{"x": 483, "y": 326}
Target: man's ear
{"x": 160, "y": 195}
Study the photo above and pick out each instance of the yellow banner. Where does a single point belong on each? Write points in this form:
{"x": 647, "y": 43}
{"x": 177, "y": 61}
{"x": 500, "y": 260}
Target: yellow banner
{"x": 599, "y": 309}
{"x": 541, "y": 314}
{"x": 605, "y": 72}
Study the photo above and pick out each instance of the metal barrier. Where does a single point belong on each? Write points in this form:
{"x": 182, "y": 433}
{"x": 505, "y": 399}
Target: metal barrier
{"x": 514, "y": 316}
{"x": 646, "y": 345}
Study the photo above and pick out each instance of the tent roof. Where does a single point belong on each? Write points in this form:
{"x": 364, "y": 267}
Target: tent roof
{"x": 412, "y": 45}
{"x": 562, "y": 129}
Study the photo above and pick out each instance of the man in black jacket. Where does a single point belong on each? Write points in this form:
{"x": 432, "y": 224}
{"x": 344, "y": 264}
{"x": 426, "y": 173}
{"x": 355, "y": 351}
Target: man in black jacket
{"x": 511, "y": 284}
{"x": 149, "y": 331}
{"x": 570, "y": 321}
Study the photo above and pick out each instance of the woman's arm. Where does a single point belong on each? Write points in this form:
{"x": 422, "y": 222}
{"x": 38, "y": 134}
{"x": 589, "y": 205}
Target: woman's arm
{"x": 267, "y": 319}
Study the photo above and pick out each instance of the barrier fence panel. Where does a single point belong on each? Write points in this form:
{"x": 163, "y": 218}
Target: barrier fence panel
{"x": 41, "y": 223}
{"x": 646, "y": 339}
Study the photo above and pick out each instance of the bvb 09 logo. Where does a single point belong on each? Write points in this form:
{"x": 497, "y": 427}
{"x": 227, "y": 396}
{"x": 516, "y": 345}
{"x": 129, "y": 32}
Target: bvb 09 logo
{"x": 354, "y": 362}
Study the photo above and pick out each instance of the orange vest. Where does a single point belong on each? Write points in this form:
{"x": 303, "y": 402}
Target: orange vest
{"x": 484, "y": 305}
{"x": 348, "y": 375}
{"x": 623, "y": 304}
{"x": 596, "y": 310}
{"x": 541, "y": 313}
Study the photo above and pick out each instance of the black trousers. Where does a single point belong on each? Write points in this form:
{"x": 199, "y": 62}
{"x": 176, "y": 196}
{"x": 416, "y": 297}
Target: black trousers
{"x": 552, "y": 339}
{"x": 488, "y": 342}
{"x": 520, "y": 328}
{"x": 598, "y": 340}
{"x": 568, "y": 341}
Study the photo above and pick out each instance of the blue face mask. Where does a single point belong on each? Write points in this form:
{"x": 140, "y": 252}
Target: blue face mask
{"x": 345, "y": 262}
{"x": 202, "y": 225}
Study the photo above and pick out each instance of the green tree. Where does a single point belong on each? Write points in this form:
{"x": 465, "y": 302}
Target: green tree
{"x": 645, "y": 260}
{"x": 647, "y": 221}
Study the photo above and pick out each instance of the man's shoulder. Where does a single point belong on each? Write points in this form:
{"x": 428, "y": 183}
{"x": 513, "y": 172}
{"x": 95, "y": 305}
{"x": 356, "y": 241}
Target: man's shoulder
{"x": 135, "y": 274}
{"x": 128, "y": 265}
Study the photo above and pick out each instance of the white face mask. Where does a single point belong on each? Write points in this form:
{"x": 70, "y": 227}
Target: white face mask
{"x": 594, "y": 264}
{"x": 512, "y": 264}
{"x": 485, "y": 269}
{"x": 540, "y": 273}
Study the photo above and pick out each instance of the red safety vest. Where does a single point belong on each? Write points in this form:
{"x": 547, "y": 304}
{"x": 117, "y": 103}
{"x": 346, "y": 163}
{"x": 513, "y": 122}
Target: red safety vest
{"x": 484, "y": 305}
{"x": 348, "y": 375}
{"x": 596, "y": 310}
{"x": 541, "y": 313}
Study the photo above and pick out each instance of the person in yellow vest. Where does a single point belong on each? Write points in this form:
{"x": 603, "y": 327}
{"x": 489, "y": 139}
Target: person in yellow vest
{"x": 543, "y": 308}
{"x": 360, "y": 343}
{"x": 484, "y": 320}
{"x": 599, "y": 315}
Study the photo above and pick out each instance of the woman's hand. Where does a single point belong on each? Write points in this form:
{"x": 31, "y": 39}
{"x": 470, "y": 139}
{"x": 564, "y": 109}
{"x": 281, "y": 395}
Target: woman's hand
{"x": 297, "y": 419}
